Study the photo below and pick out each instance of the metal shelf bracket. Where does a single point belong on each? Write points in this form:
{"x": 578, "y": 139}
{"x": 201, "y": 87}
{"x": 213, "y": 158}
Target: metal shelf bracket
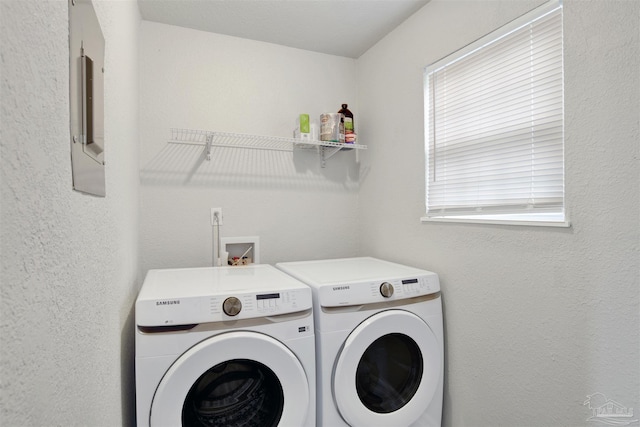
{"x": 208, "y": 145}
{"x": 326, "y": 153}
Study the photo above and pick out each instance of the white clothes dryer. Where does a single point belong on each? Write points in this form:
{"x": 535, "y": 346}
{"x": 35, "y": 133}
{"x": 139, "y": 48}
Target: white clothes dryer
{"x": 379, "y": 342}
{"x": 224, "y": 346}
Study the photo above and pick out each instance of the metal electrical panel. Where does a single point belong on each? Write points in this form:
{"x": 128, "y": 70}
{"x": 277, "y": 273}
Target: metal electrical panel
{"x": 86, "y": 90}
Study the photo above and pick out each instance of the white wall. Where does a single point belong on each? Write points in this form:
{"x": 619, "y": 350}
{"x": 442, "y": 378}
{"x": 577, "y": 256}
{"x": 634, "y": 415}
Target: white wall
{"x": 69, "y": 261}
{"x": 199, "y": 80}
{"x": 536, "y": 318}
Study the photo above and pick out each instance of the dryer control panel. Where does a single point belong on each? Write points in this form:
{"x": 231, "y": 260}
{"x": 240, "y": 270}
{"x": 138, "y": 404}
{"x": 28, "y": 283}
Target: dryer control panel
{"x": 361, "y": 280}
{"x": 369, "y": 292}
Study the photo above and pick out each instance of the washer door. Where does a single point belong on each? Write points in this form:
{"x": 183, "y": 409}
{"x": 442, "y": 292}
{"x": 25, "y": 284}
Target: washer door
{"x": 233, "y": 379}
{"x": 388, "y": 370}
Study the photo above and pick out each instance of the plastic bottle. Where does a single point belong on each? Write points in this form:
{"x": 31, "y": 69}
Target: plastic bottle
{"x": 349, "y": 128}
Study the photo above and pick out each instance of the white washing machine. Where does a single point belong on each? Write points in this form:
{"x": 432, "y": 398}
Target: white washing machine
{"x": 379, "y": 342}
{"x": 224, "y": 346}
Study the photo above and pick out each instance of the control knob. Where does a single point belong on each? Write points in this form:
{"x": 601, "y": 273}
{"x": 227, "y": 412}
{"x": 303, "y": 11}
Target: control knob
{"x": 386, "y": 289}
{"x": 231, "y": 306}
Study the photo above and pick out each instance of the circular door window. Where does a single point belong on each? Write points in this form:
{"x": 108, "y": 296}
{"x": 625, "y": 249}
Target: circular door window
{"x": 235, "y": 393}
{"x": 233, "y": 379}
{"x": 389, "y": 373}
{"x": 388, "y": 370}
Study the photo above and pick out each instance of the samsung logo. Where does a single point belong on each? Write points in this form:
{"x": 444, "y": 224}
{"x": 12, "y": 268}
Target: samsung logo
{"x": 340, "y": 288}
{"x": 168, "y": 302}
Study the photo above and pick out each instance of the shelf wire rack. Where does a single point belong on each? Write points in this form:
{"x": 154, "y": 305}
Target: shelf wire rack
{"x": 210, "y": 139}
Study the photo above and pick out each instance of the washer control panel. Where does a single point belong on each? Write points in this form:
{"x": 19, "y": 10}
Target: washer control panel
{"x": 218, "y": 308}
{"x": 355, "y": 293}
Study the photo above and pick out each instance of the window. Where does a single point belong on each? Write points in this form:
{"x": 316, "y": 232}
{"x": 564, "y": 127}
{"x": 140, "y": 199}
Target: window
{"x": 494, "y": 121}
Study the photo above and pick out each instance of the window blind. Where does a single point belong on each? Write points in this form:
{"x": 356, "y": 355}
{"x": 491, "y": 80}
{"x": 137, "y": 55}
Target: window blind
{"x": 495, "y": 122}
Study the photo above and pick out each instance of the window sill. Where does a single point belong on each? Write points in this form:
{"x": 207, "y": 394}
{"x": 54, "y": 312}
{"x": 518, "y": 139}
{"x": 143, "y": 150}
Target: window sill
{"x": 542, "y": 221}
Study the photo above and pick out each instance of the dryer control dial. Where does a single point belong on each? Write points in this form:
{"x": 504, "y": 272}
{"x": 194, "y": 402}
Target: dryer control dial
{"x": 232, "y": 306}
{"x": 386, "y": 289}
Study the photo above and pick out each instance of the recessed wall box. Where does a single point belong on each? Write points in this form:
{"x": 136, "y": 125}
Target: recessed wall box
{"x": 86, "y": 98}
{"x": 248, "y": 246}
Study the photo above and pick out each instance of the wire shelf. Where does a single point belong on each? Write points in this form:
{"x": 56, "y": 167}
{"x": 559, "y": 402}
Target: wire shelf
{"x": 210, "y": 139}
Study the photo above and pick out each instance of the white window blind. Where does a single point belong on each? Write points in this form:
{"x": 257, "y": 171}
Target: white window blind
{"x": 495, "y": 123}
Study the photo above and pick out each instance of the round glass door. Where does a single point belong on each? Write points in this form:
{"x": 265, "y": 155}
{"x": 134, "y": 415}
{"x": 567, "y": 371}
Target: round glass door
{"x": 388, "y": 370}
{"x": 235, "y": 393}
{"x": 389, "y": 373}
{"x": 234, "y": 379}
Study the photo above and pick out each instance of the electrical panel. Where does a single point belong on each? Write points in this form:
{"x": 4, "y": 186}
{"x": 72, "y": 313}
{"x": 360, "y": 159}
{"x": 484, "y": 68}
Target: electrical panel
{"x": 86, "y": 98}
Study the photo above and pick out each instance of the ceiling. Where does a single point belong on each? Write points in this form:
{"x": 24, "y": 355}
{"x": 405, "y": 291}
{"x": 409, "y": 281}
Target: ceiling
{"x": 336, "y": 27}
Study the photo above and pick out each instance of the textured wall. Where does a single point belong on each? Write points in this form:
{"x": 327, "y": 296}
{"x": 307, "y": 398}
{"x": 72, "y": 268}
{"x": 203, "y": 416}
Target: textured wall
{"x": 536, "y": 318}
{"x": 198, "y": 80}
{"x": 69, "y": 261}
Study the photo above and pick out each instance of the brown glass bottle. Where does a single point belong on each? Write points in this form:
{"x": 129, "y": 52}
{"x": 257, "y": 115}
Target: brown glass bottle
{"x": 349, "y": 128}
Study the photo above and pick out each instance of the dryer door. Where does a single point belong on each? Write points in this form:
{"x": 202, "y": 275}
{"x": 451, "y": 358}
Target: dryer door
{"x": 233, "y": 379}
{"x": 388, "y": 370}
